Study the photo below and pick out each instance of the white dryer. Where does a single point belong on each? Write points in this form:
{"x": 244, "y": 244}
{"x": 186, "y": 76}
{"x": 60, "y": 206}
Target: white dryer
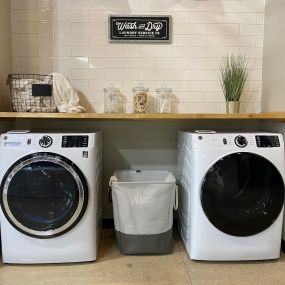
{"x": 50, "y": 197}
{"x": 231, "y": 195}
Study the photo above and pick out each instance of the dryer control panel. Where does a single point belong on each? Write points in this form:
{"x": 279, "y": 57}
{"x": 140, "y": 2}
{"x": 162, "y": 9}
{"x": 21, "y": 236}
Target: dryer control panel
{"x": 267, "y": 141}
{"x": 74, "y": 141}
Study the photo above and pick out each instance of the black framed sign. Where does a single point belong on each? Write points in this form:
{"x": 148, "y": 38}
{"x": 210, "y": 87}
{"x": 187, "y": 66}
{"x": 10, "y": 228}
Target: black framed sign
{"x": 139, "y": 28}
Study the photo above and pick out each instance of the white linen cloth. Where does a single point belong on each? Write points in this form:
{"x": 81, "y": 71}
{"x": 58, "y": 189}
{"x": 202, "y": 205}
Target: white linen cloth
{"x": 65, "y": 96}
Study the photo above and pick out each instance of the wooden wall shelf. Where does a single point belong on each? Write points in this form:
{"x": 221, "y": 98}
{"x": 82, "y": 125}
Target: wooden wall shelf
{"x": 276, "y": 116}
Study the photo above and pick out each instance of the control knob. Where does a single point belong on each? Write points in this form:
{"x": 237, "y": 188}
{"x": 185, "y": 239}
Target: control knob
{"x": 241, "y": 141}
{"x": 45, "y": 141}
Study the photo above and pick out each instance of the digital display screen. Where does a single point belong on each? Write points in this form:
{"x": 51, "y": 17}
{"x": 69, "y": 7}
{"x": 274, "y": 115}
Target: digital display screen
{"x": 267, "y": 141}
{"x": 75, "y": 141}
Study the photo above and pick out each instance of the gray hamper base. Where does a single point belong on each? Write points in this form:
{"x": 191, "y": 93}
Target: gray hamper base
{"x": 145, "y": 244}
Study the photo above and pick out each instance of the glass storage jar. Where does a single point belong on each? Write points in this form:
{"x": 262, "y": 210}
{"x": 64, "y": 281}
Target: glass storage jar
{"x": 164, "y": 100}
{"x": 111, "y": 99}
{"x": 140, "y": 103}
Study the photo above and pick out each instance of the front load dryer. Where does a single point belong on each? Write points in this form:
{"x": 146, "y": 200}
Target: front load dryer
{"x": 231, "y": 195}
{"x": 50, "y": 197}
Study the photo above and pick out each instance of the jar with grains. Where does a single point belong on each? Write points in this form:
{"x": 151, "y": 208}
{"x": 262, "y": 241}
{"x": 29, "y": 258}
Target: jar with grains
{"x": 164, "y": 100}
{"x": 111, "y": 99}
{"x": 140, "y": 99}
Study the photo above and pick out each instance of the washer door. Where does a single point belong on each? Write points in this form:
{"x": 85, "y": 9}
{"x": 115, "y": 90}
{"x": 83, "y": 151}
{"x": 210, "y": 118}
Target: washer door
{"x": 242, "y": 194}
{"x": 44, "y": 195}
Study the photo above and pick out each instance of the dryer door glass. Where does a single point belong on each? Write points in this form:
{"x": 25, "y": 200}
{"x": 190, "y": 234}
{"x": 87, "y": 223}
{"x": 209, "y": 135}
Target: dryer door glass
{"x": 44, "y": 195}
{"x": 242, "y": 194}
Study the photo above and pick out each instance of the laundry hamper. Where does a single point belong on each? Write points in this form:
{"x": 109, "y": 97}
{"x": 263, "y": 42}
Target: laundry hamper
{"x": 31, "y": 93}
{"x": 143, "y": 203}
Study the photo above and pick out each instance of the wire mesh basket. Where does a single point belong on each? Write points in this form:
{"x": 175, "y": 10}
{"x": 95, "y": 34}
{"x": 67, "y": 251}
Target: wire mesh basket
{"x": 31, "y": 93}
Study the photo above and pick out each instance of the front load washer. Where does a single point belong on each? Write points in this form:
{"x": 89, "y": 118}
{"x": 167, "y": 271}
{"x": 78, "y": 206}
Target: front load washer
{"x": 50, "y": 197}
{"x": 231, "y": 195}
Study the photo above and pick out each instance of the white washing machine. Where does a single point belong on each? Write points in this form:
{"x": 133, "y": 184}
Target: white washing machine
{"x": 231, "y": 195}
{"x": 50, "y": 197}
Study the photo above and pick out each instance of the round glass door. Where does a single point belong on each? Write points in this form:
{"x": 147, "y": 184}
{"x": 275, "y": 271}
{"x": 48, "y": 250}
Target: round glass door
{"x": 44, "y": 195}
{"x": 242, "y": 194}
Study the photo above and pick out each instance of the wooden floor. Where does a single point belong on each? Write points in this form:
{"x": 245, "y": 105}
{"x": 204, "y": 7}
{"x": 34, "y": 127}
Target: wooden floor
{"x": 114, "y": 268}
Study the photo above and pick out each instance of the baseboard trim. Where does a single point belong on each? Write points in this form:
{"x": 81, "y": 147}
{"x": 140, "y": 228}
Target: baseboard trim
{"x": 283, "y": 246}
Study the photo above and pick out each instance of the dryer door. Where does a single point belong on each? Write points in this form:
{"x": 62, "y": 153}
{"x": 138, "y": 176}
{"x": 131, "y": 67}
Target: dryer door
{"x": 44, "y": 195}
{"x": 242, "y": 194}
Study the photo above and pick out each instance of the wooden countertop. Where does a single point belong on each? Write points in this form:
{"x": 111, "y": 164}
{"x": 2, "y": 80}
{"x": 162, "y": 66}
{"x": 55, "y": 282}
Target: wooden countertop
{"x": 274, "y": 116}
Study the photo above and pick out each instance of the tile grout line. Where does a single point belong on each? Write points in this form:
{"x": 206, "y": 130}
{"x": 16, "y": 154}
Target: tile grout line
{"x": 184, "y": 263}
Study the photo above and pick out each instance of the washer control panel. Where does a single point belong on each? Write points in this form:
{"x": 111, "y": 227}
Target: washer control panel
{"x": 74, "y": 141}
{"x": 45, "y": 141}
{"x": 267, "y": 141}
{"x": 241, "y": 141}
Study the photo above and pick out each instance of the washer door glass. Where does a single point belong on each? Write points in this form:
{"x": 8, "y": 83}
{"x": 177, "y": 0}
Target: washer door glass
{"x": 44, "y": 195}
{"x": 242, "y": 194}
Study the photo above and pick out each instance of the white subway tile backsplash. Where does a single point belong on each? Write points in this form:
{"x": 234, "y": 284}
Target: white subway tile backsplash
{"x": 222, "y": 29}
{"x": 189, "y": 29}
{"x": 128, "y": 85}
{"x": 252, "y": 5}
{"x": 70, "y": 16}
{"x": 138, "y": 63}
{"x": 206, "y": 17}
{"x": 180, "y": 17}
{"x": 239, "y": 41}
{"x": 253, "y": 30}
{"x": 119, "y": 74}
{"x": 31, "y": 15}
{"x": 23, "y": 4}
{"x": 186, "y": 97}
{"x": 62, "y": 4}
{"x": 259, "y": 41}
{"x": 224, "y": 6}
{"x": 219, "y": 52}
{"x": 177, "y": 86}
{"x": 171, "y": 63}
{"x": 155, "y": 51}
{"x": 88, "y": 74}
{"x": 122, "y": 5}
{"x": 190, "y": 5}
{"x": 25, "y": 50}
{"x": 188, "y": 52}
{"x": 260, "y": 19}
{"x": 106, "y": 63}
{"x": 158, "y": 5}
{"x": 98, "y": 16}
{"x": 181, "y": 40}
{"x": 244, "y": 18}
{"x": 44, "y": 4}
{"x": 71, "y": 36}
{"x": 203, "y": 63}
{"x": 24, "y": 27}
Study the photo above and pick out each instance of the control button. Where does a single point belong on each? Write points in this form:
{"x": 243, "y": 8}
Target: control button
{"x": 241, "y": 141}
{"x": 225, "y": 141}
{"x": 45, "y": 141}
{"x": 29, "y": 141}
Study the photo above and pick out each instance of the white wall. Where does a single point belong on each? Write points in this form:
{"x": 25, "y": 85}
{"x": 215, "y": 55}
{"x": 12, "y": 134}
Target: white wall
{"x": 5, "y": 51}
{"x": 70, "y": 36}
{"x": 273, "y": 98}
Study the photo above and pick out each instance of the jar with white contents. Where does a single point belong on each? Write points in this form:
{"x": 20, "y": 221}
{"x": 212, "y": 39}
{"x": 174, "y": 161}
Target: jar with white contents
{"x": 140, "y": 99}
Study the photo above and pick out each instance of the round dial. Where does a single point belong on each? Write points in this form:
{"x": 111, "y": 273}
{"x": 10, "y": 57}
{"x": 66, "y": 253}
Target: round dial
{"x": 241, "y": 141}
{"x": 45, "y": 141}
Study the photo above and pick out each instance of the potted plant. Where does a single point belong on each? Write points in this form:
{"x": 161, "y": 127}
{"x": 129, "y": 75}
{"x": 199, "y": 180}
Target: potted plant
{"x": 234, "y": 74}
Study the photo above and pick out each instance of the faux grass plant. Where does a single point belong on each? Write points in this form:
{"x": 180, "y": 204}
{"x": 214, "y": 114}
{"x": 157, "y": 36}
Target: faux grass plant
{"x": 234, "y": 74}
